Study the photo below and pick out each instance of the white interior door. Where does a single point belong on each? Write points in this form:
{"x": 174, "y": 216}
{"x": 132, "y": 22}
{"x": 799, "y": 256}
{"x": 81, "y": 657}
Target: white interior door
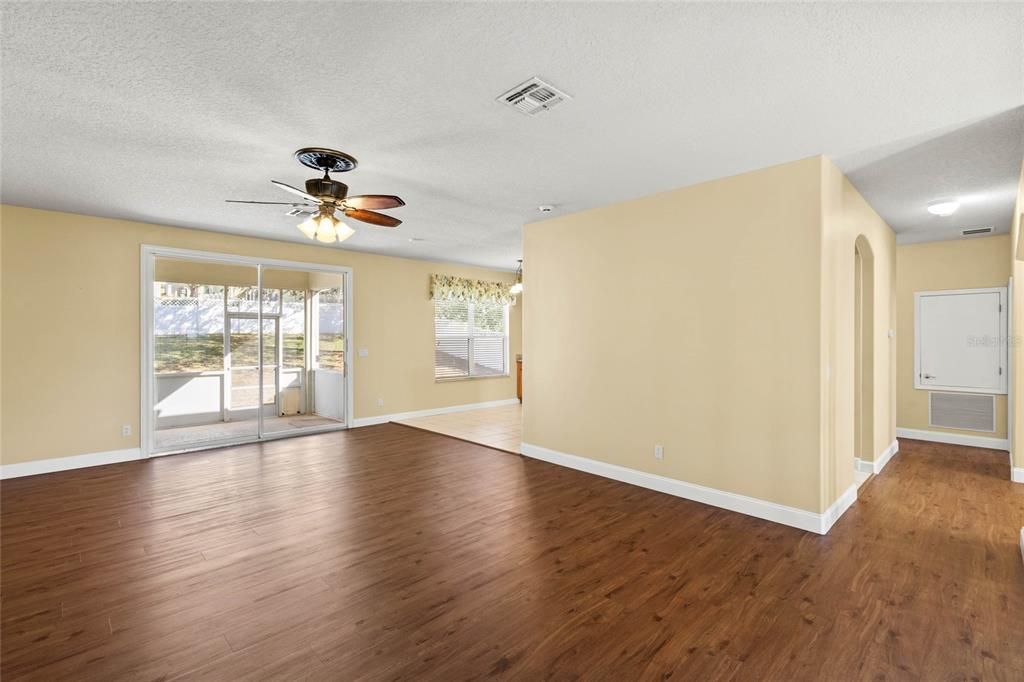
{"x": 961, "y": 340}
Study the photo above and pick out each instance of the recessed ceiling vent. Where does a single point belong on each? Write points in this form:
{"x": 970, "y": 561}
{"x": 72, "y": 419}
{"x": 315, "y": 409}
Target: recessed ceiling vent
{"x": 975, "y": 231}
{"x": 533, "y": 97}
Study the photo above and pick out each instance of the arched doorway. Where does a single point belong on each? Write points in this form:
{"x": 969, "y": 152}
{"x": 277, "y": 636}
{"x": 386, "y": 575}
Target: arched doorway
{"x": 864, "y": 352}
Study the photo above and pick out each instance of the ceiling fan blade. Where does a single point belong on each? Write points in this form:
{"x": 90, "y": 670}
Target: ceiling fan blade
{"x": 269, "y": 203}
{"x": 374, "y": 201}
{"x": 296, "y": 190}
{"x": 372, "y": 217}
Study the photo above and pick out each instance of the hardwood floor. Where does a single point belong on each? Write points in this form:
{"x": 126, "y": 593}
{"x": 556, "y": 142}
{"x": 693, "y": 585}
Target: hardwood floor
{"x": 500, "y": 428}
{"x": 392, "y": 553}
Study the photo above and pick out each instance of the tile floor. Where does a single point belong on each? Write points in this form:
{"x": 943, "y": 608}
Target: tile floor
{"x": 495, "y": 427}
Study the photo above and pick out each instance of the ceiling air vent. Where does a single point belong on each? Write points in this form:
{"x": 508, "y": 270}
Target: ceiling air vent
{"x": 975, "y": 231}
{"x": 533, "y": 96}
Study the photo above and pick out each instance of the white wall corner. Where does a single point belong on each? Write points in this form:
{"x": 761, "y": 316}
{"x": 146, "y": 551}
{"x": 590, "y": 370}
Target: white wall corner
{"x": 884, "y": 458}
{"x": 751, "y": 506}
{"x": 49, "y": 466}
{"x": 955, "y": 438}
{"x": 399, "y": 416}
{"x": 1017, "y": 474}
{"x": 863, "y": 465}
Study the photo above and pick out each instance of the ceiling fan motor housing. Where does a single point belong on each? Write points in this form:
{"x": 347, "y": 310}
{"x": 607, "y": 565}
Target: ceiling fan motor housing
{"x": 325, "y": 187}
{"x": 327, "y": 160}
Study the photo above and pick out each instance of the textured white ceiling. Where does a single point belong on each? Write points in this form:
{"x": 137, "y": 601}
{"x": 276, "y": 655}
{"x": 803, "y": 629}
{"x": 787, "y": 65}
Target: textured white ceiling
{"x": 160, "y": 111}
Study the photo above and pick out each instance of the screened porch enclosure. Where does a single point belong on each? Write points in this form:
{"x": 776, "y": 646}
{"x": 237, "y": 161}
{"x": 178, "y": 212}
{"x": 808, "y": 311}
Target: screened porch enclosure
{"x": 233, "y": 360}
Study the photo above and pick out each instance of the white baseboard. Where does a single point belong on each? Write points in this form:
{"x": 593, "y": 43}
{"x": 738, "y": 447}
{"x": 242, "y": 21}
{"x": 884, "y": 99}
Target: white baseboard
{"x": 48, "y": 466}
{"x": 398, "y": 416}
{"x": 751, "y": 506}
{"x": 955, "y": 438}
{"x": 876, "y": 465}
{"x": 1017, "y": 474}
{"x": 884, "y": 458}
{"x": 836, "y": 510}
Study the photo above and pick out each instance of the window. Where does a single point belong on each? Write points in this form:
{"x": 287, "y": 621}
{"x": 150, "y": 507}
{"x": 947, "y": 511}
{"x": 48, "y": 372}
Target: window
{"x": 470, "y": 339}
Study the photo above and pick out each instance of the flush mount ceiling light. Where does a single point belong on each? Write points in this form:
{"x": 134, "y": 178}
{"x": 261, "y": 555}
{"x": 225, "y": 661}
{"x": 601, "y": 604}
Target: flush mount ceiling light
{"x": 943, "y": 207}
{"x": 517, "y": 288}
{"x": 323, "y": 197}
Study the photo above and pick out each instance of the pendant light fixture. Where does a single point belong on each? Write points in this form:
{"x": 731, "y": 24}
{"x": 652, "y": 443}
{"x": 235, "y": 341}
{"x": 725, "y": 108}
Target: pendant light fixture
{"x": 517, "y": 288}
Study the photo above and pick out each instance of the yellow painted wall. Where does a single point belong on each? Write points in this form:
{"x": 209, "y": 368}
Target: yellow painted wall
{"x": 709, "y": 319}
{"x": 688, "y": 319}
{"x": 1017, "y": 345}
{"x": 847, "y": 217}
{"x": 934, "y": 266}
{"x": 70, "y": 329}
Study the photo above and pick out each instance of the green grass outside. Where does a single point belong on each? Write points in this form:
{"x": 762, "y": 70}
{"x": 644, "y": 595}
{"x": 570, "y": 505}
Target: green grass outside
{"x": 205, "y": 352}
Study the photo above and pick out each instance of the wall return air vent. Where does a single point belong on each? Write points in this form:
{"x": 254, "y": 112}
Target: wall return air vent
{"x": 533, "y": 97}
{"x": 969, "y": 411}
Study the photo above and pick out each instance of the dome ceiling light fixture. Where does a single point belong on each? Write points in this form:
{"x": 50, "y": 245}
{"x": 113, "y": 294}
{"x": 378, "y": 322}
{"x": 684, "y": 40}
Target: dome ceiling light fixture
{"x": 324, "y": 197}
{"x": 943, "y": 207}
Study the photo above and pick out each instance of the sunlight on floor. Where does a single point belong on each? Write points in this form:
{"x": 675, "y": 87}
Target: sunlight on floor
{"x": 496, "y": 427}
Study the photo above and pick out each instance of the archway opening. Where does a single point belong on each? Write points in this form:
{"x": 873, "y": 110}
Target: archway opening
{"x": 864, "y": 356}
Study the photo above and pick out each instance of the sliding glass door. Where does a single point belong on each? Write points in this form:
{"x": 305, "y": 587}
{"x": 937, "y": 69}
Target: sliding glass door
{"x": 311, "y": 378}
{"x": 237, "y": 350}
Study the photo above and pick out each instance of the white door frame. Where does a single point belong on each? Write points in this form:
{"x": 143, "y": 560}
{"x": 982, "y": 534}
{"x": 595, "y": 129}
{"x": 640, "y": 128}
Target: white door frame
{"x": 1011, "y": 384}
{"x": 147, "y": 260}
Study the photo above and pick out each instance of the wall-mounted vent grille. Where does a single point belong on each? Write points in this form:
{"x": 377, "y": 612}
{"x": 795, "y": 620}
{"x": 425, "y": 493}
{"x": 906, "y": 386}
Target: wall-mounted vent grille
{"x": 970, "y": 411}
{"x": 975, "y": 231}
{"x": 533, "y": 96}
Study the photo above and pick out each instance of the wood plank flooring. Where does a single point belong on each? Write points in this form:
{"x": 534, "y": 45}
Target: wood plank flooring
{"x": 496, "y": 427}
{"x": 391, "y": 553}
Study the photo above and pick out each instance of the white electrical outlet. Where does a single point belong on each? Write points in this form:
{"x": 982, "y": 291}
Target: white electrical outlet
{"x": 126, "y": 430}
{"x": 659, "y": 452}
{"x": 364, "y": 352}
{"x": 380, "y": 402}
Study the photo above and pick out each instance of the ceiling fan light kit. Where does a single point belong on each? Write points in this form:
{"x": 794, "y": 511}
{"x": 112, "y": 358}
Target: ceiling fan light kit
{"x": 326, "y": 196}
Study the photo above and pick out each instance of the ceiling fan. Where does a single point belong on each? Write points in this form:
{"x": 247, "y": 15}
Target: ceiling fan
{"x": 324, "y": 197}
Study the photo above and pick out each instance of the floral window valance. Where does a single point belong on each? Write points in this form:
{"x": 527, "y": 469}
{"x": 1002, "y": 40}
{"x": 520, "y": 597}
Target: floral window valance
{"x": 448, "y": 288}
